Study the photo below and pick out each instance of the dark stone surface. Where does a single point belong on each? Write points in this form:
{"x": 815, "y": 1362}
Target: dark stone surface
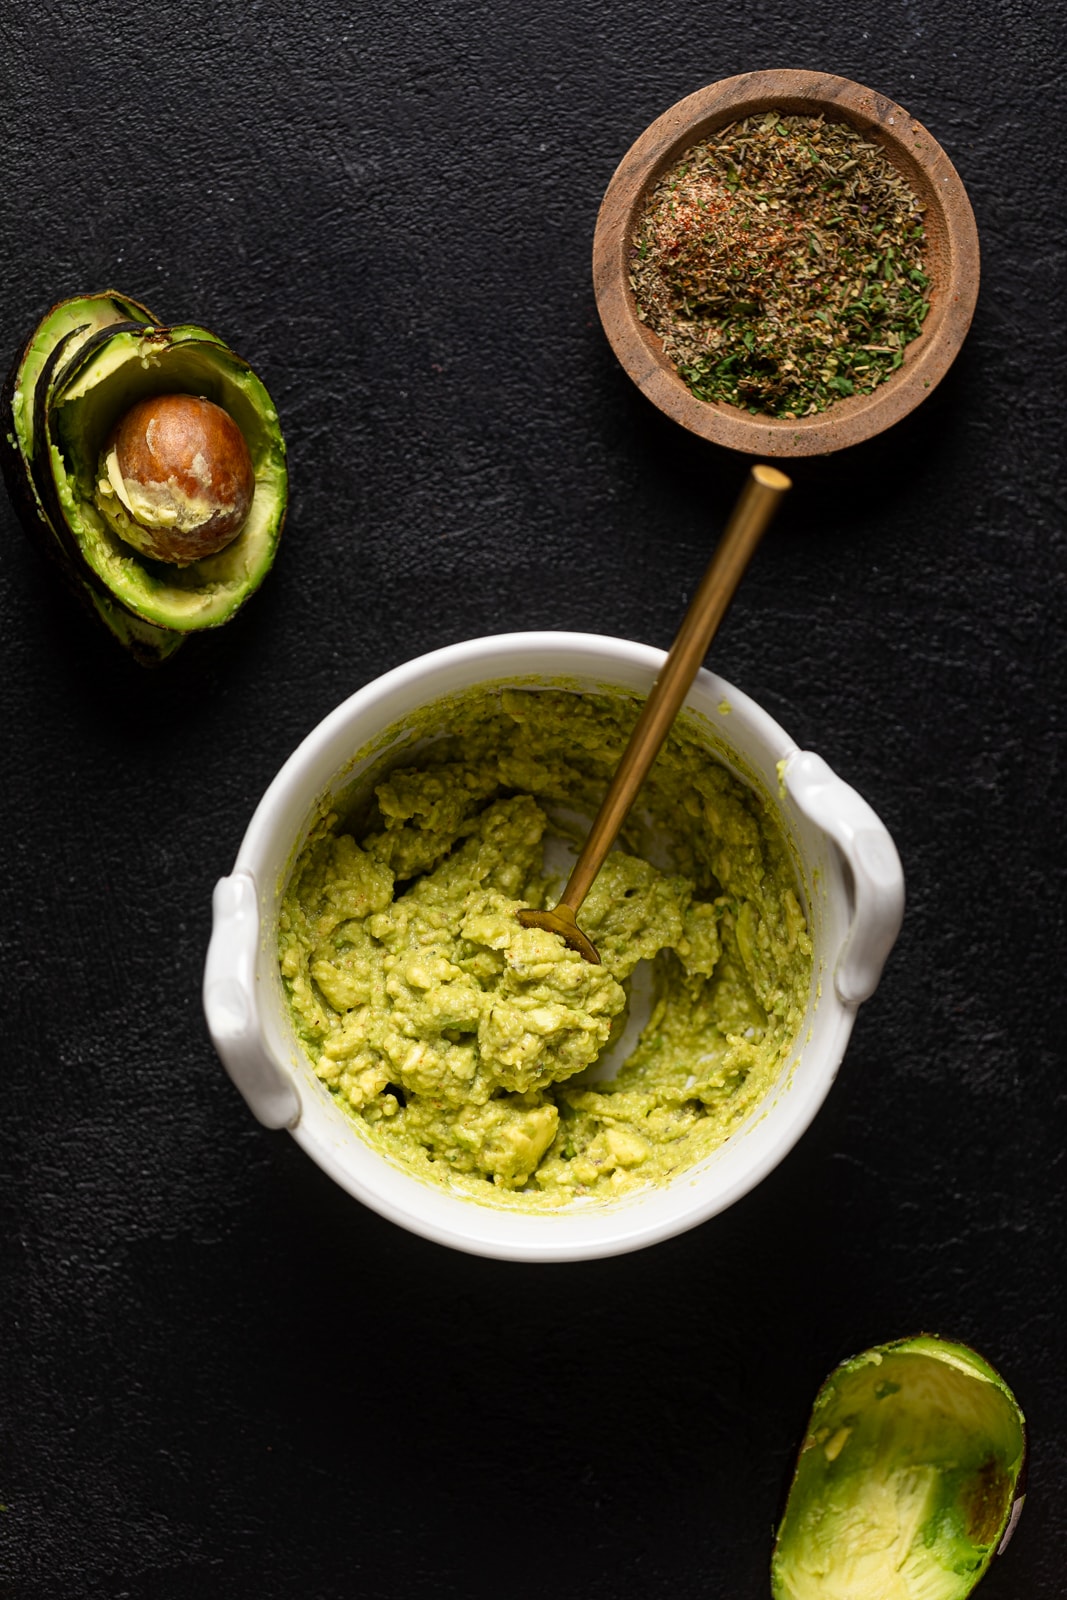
{"x": 218, "y": 1374}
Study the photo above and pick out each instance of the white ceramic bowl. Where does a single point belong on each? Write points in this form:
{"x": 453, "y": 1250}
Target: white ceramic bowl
{"x": 851, "y": 882}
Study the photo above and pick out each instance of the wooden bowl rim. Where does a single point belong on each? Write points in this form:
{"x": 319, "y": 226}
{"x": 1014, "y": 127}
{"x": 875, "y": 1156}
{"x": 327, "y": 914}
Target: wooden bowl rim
{"x": 949, "y": 222}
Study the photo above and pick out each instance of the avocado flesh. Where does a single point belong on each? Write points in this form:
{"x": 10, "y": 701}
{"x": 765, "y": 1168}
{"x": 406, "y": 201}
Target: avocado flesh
{"x": 63, "y": 332}
{"x": 89, "y": 395}
{"x": 75, "y": 321}
{"x": 906, "y": 1479}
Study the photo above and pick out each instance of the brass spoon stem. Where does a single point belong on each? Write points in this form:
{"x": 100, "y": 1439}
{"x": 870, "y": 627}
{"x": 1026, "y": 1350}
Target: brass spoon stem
{"x": 756, "y": 506}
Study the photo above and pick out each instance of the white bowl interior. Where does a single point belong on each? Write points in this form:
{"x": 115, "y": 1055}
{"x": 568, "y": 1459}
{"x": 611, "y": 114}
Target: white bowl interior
{"x": 357, "y": 736}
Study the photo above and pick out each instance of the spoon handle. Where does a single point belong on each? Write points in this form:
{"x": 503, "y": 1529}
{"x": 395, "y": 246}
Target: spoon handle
{"x": 756, "y": 506}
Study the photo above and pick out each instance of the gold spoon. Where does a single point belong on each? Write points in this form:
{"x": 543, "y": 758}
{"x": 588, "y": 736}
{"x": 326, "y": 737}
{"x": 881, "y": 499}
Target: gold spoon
{"x": 757, "y": 504}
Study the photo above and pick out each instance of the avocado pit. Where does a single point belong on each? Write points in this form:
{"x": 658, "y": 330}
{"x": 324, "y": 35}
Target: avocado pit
{"x": 175, "y": 478}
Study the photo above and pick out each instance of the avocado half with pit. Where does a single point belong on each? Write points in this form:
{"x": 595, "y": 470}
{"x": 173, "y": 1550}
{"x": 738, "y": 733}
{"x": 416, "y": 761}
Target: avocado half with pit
{"x": 909, "y": 1479}
{"x": 91, "y": 361}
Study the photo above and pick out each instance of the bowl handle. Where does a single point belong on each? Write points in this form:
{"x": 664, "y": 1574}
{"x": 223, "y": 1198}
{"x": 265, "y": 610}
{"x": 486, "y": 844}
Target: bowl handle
{"x": 231, "y": 1004}
{"x": 872, "y": 861}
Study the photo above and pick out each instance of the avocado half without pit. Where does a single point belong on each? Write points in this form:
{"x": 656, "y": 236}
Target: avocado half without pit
{"x": 909, "y": 1479}
{"x": 149, "y": 463}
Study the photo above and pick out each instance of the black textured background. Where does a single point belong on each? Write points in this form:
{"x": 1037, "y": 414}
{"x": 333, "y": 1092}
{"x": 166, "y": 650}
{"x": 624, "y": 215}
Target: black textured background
{"x": 218, "y": 1374}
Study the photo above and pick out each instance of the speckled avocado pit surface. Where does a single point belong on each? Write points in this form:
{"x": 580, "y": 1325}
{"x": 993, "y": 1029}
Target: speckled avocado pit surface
{"x": 467, "y": 1046}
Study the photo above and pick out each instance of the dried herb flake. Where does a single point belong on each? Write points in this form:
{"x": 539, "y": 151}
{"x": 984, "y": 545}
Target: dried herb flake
{"x": 781, "y": 263}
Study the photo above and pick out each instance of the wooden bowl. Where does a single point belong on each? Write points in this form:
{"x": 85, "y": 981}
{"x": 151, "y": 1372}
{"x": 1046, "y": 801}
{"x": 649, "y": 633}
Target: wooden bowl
{"x": 951, "y": 260}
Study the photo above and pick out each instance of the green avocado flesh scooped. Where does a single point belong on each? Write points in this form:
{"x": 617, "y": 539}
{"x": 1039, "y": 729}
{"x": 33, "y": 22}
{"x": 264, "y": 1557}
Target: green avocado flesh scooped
{"x": 89, "y": 361}
{"x": 469, "y": 1047}
{"x": 908, "y": 1479}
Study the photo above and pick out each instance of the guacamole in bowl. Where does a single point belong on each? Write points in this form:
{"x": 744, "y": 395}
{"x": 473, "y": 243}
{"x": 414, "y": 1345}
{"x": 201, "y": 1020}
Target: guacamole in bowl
{"x": 369, "y": 988}
{"x": 479, "y": 1052}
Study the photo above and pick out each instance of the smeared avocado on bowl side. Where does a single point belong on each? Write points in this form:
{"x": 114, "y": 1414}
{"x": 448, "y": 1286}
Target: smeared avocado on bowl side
{"x": 150, "y": 464}
{"x": 909, "y": 1479}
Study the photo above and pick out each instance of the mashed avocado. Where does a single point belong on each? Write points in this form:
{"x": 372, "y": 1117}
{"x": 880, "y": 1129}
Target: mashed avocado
{"x": 466, "y": 1045}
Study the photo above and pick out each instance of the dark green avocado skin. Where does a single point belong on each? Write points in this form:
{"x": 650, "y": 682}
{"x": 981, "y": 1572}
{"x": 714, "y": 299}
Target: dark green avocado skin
{"x": 16, "y": 481}
{"x": 46, "y": 530}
